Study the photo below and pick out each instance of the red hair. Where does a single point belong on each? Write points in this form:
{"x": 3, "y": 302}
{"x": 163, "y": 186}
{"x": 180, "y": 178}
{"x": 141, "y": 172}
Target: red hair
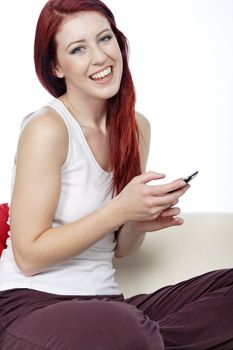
{"x": 123, "y": 130}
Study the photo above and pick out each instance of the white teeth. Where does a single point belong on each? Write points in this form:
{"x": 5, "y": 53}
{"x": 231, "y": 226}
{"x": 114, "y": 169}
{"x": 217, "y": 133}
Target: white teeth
{"x": 102, "y": 74}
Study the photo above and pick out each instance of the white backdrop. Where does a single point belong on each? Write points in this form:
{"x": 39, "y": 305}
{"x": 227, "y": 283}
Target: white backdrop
{"x": 181, "y": 61}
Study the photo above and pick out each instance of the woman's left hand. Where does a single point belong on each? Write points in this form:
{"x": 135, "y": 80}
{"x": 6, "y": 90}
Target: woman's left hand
{"x": 166, "y": 219}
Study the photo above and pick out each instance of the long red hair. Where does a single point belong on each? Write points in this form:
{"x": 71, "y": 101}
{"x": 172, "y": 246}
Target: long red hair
{"x": 123, "y": 130}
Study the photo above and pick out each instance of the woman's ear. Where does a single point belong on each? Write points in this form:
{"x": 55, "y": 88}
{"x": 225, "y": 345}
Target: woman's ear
{"x": 58, "y": 72}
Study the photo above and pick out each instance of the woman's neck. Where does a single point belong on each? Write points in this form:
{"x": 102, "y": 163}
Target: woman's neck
{"x": 88, "y": 114}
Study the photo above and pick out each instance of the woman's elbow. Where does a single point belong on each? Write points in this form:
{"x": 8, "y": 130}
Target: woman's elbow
{"x": 22, "y": 262}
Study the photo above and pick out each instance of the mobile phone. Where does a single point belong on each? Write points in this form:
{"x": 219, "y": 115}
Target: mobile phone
{"x": 187, "y": 179}
{"x": 190, "y": 177}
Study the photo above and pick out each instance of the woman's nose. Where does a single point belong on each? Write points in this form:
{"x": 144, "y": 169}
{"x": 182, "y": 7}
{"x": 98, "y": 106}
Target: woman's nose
{"x": 98, "y": 55}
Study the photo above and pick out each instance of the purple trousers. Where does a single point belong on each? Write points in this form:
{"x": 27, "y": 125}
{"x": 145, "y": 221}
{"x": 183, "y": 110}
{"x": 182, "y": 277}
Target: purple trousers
{"x": 195, "y": 314}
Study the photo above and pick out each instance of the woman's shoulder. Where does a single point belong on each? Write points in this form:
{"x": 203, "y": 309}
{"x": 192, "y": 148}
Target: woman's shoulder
{"x": 44, "y": 132}
{"x": 141, "y": 117}
{"x": 45, "y": 121}
{"x": 143, "y": 125}
{"x": 144, "y": 137}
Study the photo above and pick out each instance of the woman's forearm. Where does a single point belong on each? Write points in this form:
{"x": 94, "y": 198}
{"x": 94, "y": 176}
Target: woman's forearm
{"x": 129, "y": 239}
{"x": 59, "y": 244}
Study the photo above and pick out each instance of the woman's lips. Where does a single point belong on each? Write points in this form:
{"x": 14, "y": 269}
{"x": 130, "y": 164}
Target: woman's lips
{"x": 102, "y": 75}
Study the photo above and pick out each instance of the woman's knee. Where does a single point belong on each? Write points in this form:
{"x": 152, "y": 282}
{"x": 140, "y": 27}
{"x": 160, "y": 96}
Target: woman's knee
{"x": 92, "y": 324}
{"x": 119, "y": 326}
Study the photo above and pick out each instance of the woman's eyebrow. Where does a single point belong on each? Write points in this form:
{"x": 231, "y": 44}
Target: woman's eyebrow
{"x": 84, "y": 40}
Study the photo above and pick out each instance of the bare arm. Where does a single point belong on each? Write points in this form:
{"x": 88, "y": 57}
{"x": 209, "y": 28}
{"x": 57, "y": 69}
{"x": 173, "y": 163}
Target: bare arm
{"x": 132, "y": 234}
{"x": 36, "y": 245}
{"x": 129, "y": 237}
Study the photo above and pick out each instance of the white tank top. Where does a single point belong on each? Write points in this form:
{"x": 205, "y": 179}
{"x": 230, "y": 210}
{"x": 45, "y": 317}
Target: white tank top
{"x": 84, "y": 186}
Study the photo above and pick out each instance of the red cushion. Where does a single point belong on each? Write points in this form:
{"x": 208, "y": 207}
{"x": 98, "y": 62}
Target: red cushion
{"x": 4, "y": 226}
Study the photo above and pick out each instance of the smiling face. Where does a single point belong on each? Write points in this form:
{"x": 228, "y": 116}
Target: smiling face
{"x": 88, "y": 56}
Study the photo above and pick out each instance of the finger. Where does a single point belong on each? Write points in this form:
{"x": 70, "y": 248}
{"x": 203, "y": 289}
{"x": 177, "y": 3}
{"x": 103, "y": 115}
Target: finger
{"x": 175, "y": 195}
{"x": 171, "y": 212}
{"x": 148, "y": 176}
{"x": 159, "y": 190}
{"x": 178, "y": 193}
{"x": 172, "y": 221}
{"x": 168, "y": 200}
{"x": 177, "y": 221}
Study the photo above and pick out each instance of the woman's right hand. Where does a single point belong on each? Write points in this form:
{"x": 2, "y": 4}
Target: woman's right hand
{"x": 141, "y": 202}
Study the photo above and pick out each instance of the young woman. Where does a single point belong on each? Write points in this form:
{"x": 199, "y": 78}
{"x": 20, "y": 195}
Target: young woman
{"x": 80, "y": 196}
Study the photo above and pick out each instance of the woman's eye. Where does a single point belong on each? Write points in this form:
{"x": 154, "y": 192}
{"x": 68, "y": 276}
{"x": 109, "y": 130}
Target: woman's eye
{"x": 106, "y": 38}
{"x": 78, "y": 50}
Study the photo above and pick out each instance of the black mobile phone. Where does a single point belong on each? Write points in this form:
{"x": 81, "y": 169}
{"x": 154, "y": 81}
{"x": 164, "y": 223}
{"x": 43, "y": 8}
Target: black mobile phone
{"x": 190, "y": 177}
{"x": 187, "y": 179}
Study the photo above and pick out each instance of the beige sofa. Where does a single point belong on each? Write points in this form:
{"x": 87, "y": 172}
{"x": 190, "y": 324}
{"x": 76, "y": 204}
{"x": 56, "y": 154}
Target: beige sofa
{"x": 203, "y": 243}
